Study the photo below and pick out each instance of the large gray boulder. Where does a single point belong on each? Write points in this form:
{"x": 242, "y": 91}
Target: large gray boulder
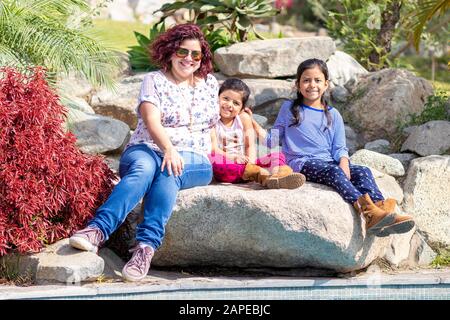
{"x": 120, "y": 104}
{"x": 269, "y": 90}
{"x": 380, "y": 99}
{"x": 58, "y": 262}
{"x": 234, "y": 226}
{"x": 426, "y": 190}
{"x": 430, "y": 138}
{"x": 379, "y": 161}
{"x": 248, "y": 226}
{"x": 343, "y": 67}
{"x": 98, "y": 134}
{"x": 271, "y": 58}
{"x": 354, "y": 140}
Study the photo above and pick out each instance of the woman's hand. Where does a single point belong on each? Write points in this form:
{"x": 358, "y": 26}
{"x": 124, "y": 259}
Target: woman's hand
{"x": 344, "y": 165}
{"x": 173, "y": 161}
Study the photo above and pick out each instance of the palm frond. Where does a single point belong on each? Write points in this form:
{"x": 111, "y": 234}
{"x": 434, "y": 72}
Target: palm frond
{"x": 419, "y": 19}
{"x": 37, "y": 33}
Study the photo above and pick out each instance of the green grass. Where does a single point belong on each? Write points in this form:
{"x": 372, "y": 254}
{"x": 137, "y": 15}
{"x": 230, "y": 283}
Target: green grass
{"x": 119, "y": 34}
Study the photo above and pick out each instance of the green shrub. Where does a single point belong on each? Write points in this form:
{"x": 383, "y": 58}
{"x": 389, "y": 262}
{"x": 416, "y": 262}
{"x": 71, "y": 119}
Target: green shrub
{"x": 442, "y": 259}
{"x": 140, "y": 59}
{"x": 223, "y": 22}
{"x": 436, "y": 108}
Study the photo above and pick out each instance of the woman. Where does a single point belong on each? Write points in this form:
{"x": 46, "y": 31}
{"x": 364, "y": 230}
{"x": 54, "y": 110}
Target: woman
{"x": 177, "y": 107}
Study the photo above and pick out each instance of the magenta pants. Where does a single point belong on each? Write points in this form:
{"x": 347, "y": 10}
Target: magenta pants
{"x": 225, "y": 170}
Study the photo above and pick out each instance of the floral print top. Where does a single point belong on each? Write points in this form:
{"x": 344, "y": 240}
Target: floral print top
{"x": 187, "y": 113}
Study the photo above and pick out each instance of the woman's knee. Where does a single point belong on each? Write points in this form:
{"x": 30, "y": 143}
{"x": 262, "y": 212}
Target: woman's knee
{"x": 142, "y": 168}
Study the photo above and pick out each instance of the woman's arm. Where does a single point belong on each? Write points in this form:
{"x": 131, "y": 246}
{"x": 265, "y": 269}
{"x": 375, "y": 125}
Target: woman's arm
{"x": 249, "y": 137}
{"x": 152, "y": 119}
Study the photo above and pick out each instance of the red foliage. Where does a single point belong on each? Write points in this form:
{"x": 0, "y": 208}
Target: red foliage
{"x": 48, "y": 187}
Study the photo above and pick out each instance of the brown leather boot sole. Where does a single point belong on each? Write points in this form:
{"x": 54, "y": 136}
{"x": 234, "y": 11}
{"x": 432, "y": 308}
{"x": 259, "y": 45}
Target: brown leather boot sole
{"x": 291, "y": 181}
{"x": 395, "y": 228}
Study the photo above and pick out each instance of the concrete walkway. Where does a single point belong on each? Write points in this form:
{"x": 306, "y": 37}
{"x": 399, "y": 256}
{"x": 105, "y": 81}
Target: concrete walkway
{"x": 428, "y": 284}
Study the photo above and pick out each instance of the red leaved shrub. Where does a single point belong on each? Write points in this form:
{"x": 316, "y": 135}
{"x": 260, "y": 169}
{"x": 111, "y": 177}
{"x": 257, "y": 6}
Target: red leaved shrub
{"x": 48, "y": 187}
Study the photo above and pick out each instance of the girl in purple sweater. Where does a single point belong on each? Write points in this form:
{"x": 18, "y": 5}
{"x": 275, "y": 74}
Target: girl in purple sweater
{"x": 312, "y": 136}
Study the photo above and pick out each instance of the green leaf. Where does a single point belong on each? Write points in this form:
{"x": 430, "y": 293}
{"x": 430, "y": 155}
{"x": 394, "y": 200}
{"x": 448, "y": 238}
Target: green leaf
{"x": 141, "y": 39}
{"x": 243, "y": 23}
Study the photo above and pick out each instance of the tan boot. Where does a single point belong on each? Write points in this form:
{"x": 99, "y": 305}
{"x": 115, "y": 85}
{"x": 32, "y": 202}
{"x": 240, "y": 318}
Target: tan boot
{"x": 375, "y": 217}
{"x": 255, "y": 173}
{"x": 285, "y": 178}
{"x": 402, "y": 222}
{"x": 387, "y": 204}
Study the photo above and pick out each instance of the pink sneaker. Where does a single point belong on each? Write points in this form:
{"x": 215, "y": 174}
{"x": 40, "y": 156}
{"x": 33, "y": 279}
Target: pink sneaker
{"x": 87, "y": 239}
{"x": 137, "y": 268}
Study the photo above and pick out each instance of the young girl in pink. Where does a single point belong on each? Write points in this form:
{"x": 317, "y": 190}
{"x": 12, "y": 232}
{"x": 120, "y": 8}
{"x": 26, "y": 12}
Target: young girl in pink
{"x": 233, "y": 154}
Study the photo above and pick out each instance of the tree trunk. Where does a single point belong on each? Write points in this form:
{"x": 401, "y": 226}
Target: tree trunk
{"x": 389, "y": 18}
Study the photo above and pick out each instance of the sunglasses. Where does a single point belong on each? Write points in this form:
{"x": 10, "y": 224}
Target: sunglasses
{"x": 183, "y": 53}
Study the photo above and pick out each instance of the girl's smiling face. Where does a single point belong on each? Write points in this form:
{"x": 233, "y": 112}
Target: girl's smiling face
{"x": 230, "y": 102}
{"x": 312, "y": 85}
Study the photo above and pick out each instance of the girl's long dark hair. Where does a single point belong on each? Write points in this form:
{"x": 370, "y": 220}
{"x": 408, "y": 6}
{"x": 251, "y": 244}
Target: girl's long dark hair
{"x": 296, "y": 105}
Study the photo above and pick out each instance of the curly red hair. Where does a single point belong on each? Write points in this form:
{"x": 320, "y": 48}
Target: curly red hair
{"x": 165, "y": 45}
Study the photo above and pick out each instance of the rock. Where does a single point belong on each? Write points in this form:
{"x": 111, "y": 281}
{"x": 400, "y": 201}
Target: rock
{"x": 342, "y": 67}
{"x": 339, "y": 94}
{"x": 113, "y": 263}
{"x": 271, "y": 58}
{"x": 404, "y": 158}
{"x": 353, "y": 140}
{"x": 246, "y": 226}
{"x": 268, "y": 90}
{"x": 410, "y": 252}
{"x": 381, "y": 162}
{"x": 220, "y": 77}
{"x": 113, "y": 162}
{"x": 78, "y": 104}
{"x": 380, "y": 146}
{"x": 399, "y": 249}
{"x": 261, "y": 120}
{"x": 74, "y": 85}
{"x": 381, "y": 99}
{"x": 98, "y": 134}
{"x": 430, "y": 138}
{"x": 426, "y": 196}
{"x": 263, "y": 91}
{"x": 60, "y": 262}
{"x": 387, "y": 185}
{"x": 408, "y": 130}
{"x": 420, "y": 254}
{"x": 120, "y": 105}
{"x": 269, "y": 110}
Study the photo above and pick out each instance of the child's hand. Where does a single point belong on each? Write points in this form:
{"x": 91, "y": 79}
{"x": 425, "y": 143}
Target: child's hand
{"x": 248, "y": 110}
{"x": 241, "y": 159}
{"x": 344, "y": 165}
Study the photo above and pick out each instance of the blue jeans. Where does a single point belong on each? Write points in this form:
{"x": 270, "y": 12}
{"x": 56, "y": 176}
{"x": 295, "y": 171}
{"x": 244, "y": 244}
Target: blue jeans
{"x": 141, "y": 177}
